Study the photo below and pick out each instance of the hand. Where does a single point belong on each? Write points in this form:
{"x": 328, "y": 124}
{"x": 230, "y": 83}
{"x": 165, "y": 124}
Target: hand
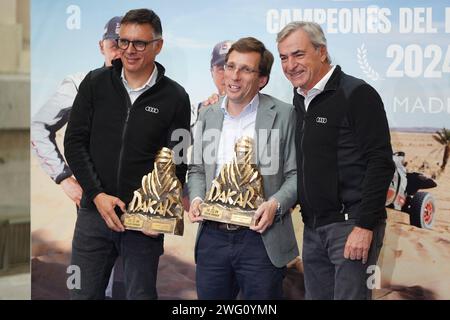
{"x": 358, "y": 244}
{"x": 105, "y": 205}
{"x": 72, "y": 189}
{"x": 264, "y": 216}
{"x": 194, "y": 211}
{"x": 211, "y": 100}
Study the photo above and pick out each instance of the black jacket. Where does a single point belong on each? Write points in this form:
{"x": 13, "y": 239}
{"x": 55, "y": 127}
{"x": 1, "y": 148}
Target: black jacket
{"x": 110, "y": 144}
{"x": 344, "y": 155}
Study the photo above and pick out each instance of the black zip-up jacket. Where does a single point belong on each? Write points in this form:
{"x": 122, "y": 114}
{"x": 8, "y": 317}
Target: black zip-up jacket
{"x": 110, "y": 144}
{"x": 344, "y": 154}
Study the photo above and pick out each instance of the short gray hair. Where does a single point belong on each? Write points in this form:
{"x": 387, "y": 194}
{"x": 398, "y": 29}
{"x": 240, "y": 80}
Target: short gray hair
{"x": 312, "y": 29}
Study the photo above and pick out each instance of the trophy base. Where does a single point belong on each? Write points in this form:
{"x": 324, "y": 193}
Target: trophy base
{"x": 219, "y": 213}
{"x": 143, "y": 222}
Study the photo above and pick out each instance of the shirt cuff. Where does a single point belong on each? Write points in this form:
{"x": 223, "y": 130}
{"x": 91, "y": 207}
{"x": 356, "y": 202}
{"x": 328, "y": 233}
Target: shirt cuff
{"x": 196, "y": 198}
{"x": 279, "y": 211}
{"x": 63, "y": 175}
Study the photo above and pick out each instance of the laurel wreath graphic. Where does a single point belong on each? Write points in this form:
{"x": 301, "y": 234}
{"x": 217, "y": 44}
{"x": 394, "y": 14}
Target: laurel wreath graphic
{"x": 364, "y": 64}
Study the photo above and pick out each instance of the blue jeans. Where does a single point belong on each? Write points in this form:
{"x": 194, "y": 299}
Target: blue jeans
{"x": 95, "y": 248}
{"x": 328, "y": 275}
{"x": 233, "y": 261}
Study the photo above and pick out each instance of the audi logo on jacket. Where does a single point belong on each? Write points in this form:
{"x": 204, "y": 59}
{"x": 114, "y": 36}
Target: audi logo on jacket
{"x": 344, "y": 154}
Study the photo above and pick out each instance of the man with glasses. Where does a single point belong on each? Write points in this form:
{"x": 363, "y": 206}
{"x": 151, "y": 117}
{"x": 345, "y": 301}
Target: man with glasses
{"x": 232, "y": 258}
{"x": 218, "y": 54}
{"x": 121, "y": 117}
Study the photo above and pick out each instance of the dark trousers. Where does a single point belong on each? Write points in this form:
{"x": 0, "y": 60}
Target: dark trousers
{"x": 95, "y": 248}
{"x": 229, "y": 262}
{"x": 328, "y": 275}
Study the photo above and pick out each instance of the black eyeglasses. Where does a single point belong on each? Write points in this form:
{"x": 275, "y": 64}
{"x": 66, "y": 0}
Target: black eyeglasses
{"x": 139, "y": 45}
{"x": 244, "y": 69}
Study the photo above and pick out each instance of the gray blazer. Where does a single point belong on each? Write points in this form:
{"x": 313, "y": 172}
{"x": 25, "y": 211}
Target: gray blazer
{"x": 278, "y": 168}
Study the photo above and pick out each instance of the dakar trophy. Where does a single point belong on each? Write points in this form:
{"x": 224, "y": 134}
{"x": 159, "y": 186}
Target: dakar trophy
{"x": 237, "y": 191}
{"x": 157, "y": 205}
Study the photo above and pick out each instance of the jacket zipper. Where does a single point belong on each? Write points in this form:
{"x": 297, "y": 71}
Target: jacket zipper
{"x": 119, "y": 168}
{"x": 129, "y": 107}
{"x": 303, "y": 160}
{"x": 303, "y": 170}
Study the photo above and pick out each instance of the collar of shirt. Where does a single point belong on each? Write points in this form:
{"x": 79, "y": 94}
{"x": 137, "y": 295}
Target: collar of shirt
{"x": 248, "y": 109}
{"x": 147, "y": 85}
{"x": 319, "y": 87}
{"x": 234, "y": 128}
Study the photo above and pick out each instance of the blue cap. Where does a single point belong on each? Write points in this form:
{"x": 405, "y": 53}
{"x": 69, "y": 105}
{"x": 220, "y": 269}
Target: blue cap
{"x": 112, "y": 28}
{"x": 219, "y": 53}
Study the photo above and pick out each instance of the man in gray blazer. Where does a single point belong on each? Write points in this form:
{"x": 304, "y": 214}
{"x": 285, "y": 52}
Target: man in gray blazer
{"x": 231, "y": 258}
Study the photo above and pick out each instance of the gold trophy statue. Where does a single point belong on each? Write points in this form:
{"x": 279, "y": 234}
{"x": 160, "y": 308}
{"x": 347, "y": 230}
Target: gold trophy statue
{"x": 238, "y": 190}
{"x": 157, "y": 206}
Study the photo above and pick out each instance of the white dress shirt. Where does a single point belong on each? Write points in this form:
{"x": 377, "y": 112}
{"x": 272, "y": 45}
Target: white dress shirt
{"x": 135, "y": 93}
{"x": 318, "y": 88}
{"x": 234, "y": 128}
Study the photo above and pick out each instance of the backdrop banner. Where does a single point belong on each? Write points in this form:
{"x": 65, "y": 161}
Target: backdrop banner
{"x": 401, "y": 48}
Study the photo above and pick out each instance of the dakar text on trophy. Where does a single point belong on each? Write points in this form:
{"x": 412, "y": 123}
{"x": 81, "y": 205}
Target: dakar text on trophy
{"x": 157, "y": 206}
{"x": 238, "y": 190}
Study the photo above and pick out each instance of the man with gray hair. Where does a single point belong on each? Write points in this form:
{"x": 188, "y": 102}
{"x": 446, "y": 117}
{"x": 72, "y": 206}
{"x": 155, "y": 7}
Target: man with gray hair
{"x": 344, "y": 166}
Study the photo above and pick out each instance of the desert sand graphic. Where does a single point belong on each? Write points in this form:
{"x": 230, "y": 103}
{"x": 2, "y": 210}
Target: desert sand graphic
{"x": 414, "y": 262}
